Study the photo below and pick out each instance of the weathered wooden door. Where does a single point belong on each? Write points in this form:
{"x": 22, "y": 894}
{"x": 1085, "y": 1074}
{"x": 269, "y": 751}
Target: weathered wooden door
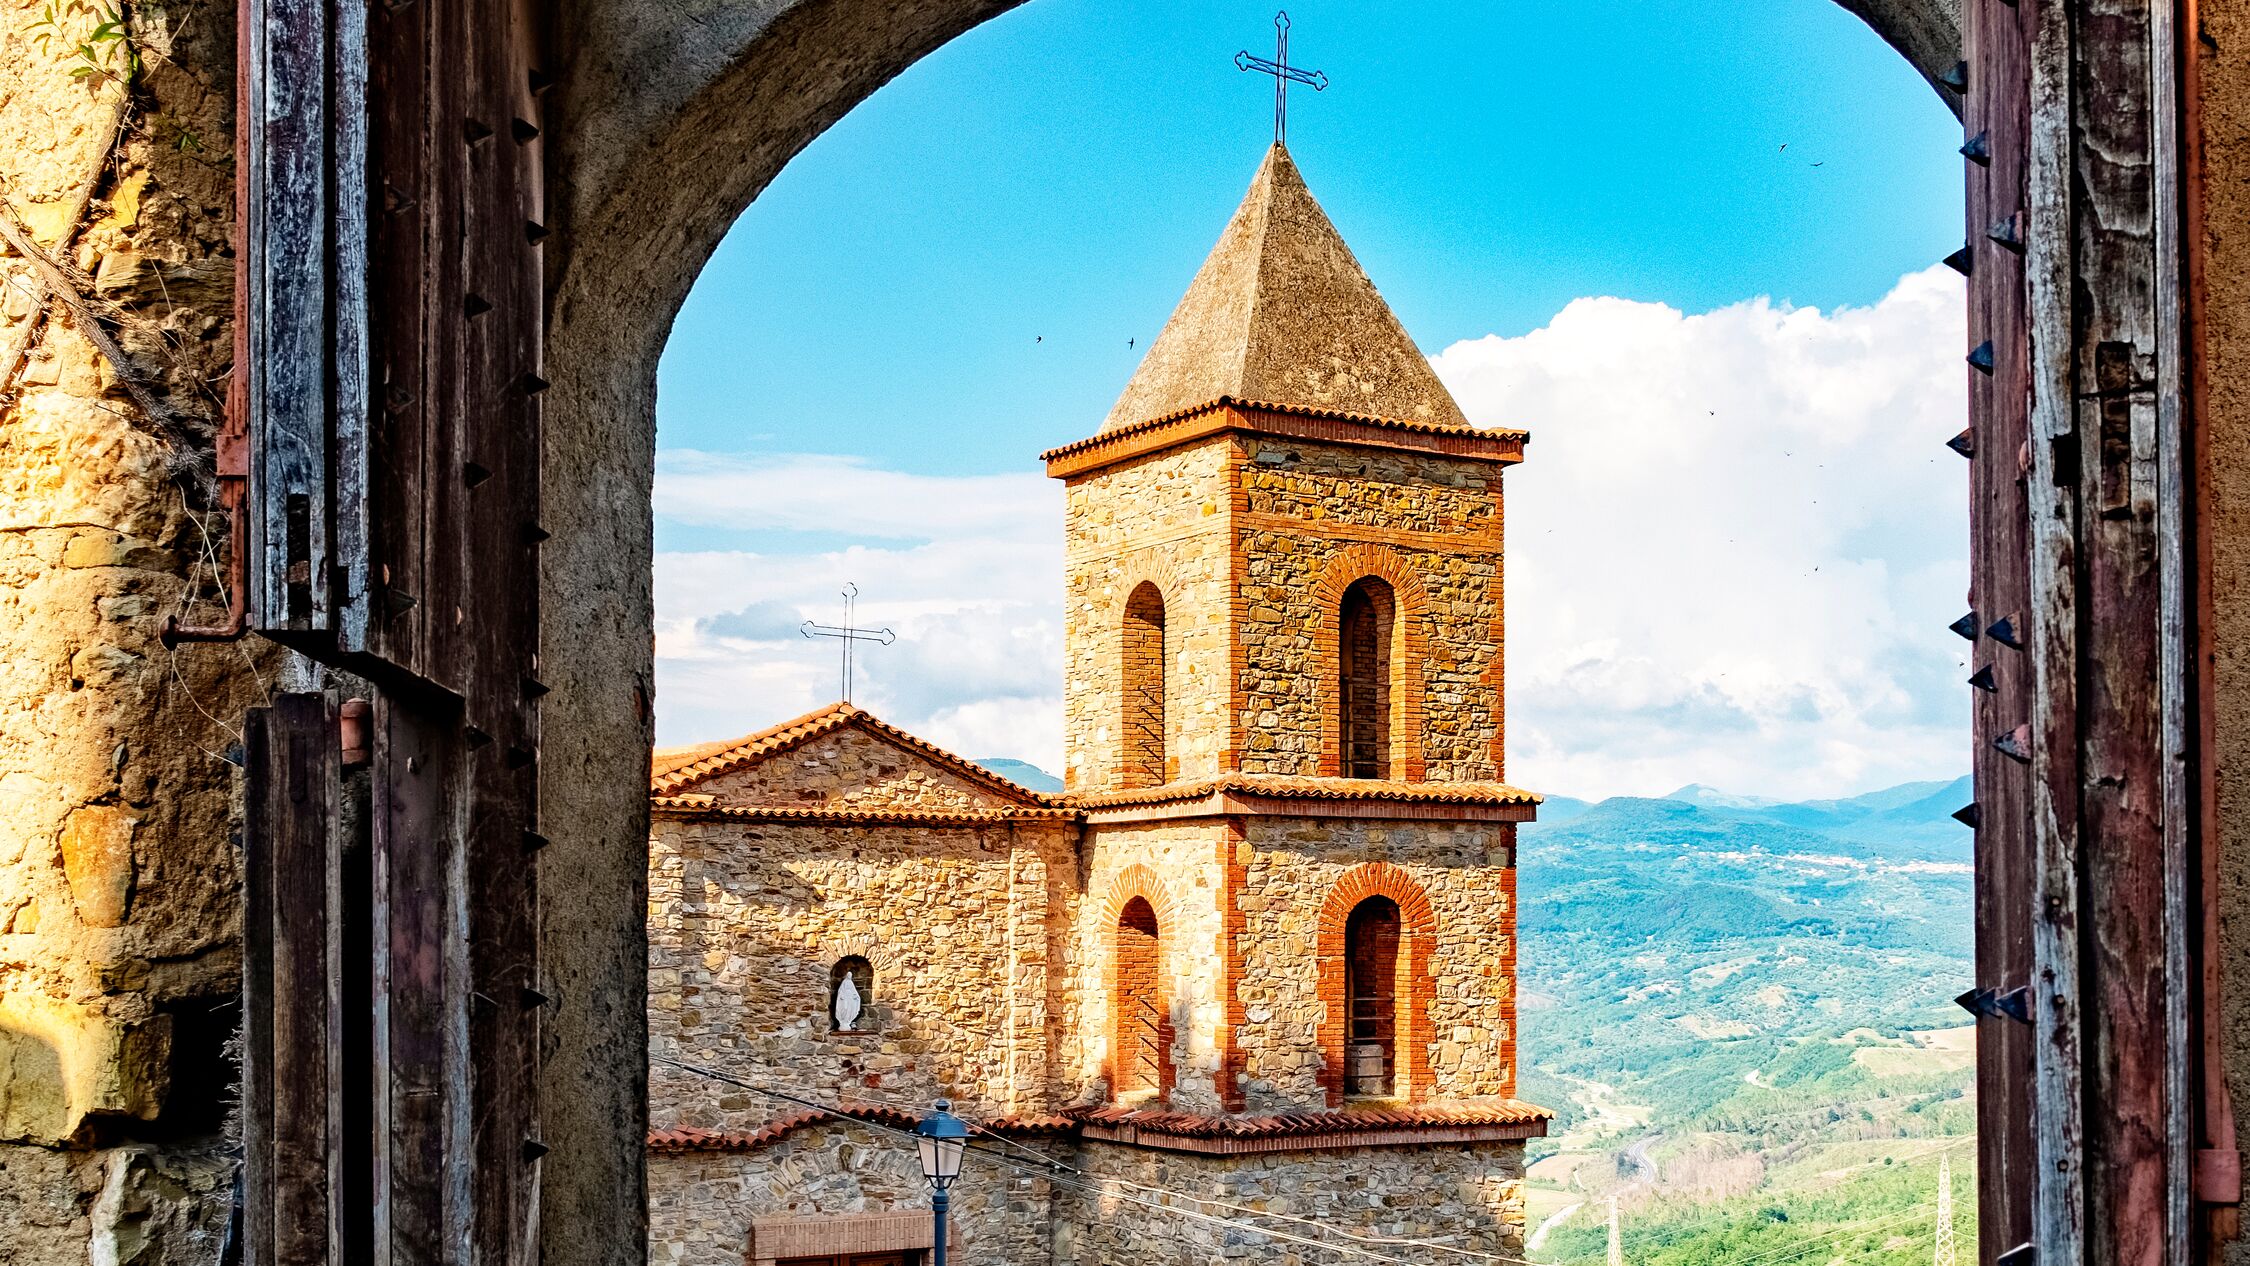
{"x": 391, "y": 333}
{"x": 2104, "y": 1132}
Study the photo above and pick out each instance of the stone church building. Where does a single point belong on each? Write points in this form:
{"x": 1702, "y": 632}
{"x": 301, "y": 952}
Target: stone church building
{"x": 1255, "y": 967}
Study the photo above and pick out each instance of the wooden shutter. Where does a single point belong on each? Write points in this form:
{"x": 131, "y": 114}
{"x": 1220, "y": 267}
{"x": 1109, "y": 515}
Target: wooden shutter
{"x": 392, "y": 327}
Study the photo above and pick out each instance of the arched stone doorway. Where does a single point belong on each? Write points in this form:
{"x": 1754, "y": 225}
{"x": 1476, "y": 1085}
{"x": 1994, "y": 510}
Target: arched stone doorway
{"x": 676, "y": 118}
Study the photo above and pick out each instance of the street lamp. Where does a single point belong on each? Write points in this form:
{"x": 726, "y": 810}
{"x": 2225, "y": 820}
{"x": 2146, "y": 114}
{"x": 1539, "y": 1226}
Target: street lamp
{"x": 944, "y": 1137}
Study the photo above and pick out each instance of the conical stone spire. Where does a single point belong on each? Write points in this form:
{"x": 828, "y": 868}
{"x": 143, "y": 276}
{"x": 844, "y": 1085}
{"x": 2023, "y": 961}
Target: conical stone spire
{"x": 1281, "y": 312}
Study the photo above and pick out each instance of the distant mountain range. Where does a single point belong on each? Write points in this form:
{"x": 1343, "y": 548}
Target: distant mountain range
{"x": 1911, "y": 820}
{"x": 1020, "y": 772}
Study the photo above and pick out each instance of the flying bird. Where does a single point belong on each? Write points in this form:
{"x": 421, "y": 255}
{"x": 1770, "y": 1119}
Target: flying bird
{"x": 1129, "y": 344}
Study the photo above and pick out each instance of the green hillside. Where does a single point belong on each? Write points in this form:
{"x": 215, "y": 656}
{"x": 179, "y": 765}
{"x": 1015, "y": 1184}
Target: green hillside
{"x": 1743, "y": 1011}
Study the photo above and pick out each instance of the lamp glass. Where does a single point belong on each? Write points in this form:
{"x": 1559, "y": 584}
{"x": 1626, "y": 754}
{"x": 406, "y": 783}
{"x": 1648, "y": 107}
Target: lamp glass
{"x": 941, "y": 1158}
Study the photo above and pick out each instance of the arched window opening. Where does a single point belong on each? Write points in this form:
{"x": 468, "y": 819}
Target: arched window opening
{"x": 1371, "y": 992}
{"x": 1145, "y": 662}
{"x": 1140, "y": 1031}
{"x": 1363, "y": 647}
{"x": 851, "y": 995}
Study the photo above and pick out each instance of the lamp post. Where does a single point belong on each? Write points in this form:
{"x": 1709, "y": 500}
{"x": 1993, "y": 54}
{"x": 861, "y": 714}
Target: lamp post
{"x": 944, "y": 1137}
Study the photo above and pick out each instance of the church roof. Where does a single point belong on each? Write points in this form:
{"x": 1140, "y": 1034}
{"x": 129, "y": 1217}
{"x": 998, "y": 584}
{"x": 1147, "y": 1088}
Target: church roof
{"x": 1281, "y": 311}
{"x": 675, "y": 771}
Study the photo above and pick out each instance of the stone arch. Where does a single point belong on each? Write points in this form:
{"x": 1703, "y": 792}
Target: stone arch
{"x": 1409, "y": 644}
{"x": 1417, "y": 940}
{"x": 858, "y": 945}
{"x": 1137, "y": 916}
{"x": 677, "y": 117}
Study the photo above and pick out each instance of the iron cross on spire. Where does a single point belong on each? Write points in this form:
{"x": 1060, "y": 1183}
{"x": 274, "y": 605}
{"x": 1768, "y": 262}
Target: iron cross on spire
{"x": 1283, "y": 74}
{"x": 848, "y": 634}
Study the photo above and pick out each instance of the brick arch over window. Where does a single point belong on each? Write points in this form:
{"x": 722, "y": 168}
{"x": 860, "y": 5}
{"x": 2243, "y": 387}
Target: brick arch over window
{"x": 1128, "y": 656}
{"x": 1137, "y": 915}
{"x": 1417, "y": 939}
{"x": 1408, "y": 646}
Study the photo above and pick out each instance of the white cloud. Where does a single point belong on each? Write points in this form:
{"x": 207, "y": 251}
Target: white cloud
{"x": 967, "y": 572}
{"x": 816, "y": 493}
{"x": 1732, "y": 554}
{"x": 1734, "y": 544}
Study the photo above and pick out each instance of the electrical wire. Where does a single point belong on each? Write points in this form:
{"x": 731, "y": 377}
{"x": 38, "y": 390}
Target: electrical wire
{"x": 1046, "y": 1170}
{"x": 1055, "y": 1163}
{"x": 1049, "y": 1167}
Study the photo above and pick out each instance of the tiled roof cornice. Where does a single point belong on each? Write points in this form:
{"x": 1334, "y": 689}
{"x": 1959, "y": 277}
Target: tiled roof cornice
{"x": 692, "y": 1140}
{"x": 1420, "y": 1124}
{"x": 1494, "y": 1121}
{"x": 1491, "y": 443}
{"x": 1290, "y": 787}
{"x": 710, "y": 807}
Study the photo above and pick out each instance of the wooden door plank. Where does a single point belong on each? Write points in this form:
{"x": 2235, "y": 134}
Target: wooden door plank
{"x": 419, "y": 1041}
{"x": 289, "y": 242}
{"x": 292, "y": 823}
{"x": 1996, "y": 108}
{"x": 405, "y": 221}
{"x": 2058, "y": 1122}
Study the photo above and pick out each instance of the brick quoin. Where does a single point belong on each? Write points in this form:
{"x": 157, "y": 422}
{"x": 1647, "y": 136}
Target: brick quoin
{"x": 1234, "y": 866}
{"x": 1136, "y": 913}
{"x": 1417, "y": 938}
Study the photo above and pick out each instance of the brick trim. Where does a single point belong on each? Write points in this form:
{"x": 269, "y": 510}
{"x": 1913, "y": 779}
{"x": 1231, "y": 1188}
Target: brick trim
{"x": 1138, "y": 883}
{"x": 1154, "y": 569}
{"x": 1418, "y": 938}
{"x": 1508, "y": 960}
{"x": 1409, "y": 648}
{"x": 778, "y": 1236}
{"x": 1234, "y": 867}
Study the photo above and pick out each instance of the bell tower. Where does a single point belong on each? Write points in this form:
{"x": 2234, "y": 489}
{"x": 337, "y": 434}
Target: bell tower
{"x": 1284, "y": 546}
{"x": 1283, "y": 704}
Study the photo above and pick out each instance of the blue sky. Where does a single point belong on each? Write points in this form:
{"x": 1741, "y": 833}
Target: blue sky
{"x": 945, "y": 283}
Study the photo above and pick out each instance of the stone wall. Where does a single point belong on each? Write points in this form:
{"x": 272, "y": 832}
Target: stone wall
{"x": 2223, "y": 64}
{"x": 1288, "y": 1035}
{"x": 702, "y": 1206}
{"x": 1160, "y": 519}
{"x": 118, "y": 871}
{"x": 1319, "y": 517}
{"x": 1467, "y": 1197}
{"x": 746, "y": 921}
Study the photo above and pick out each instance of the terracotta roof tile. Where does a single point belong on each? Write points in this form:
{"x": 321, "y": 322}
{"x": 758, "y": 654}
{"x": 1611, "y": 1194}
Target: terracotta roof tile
{"x": 689, "y": 806}
{"x": 1121, "y": 433}
{"x": 1286, "y": 786}
{"x": 694, "y": 1140}
{"x": 1502, "y": 1112}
